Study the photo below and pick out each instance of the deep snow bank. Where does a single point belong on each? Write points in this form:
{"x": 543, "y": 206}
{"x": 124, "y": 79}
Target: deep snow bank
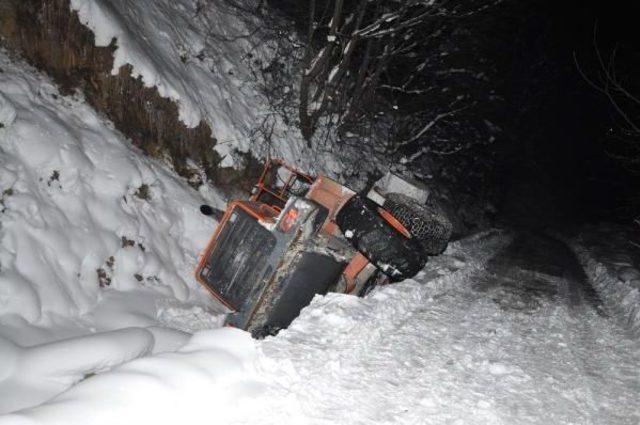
{"x": 33, "y": 375}
{"x": 298, "y": 377}
{"x": 82, "y": 211}
{"x": 612, "y": 264}
{"x": 209, "y": 380}
{"x": 94, "y": 237}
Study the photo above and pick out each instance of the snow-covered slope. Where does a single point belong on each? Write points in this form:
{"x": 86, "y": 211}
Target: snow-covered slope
{"x": 202, "y": 56}
{"x": 94, "y": 236}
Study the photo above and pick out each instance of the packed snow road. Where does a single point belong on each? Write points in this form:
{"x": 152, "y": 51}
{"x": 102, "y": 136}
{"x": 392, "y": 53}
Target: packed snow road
{"x": 496, "y": 331}
{"x": 578, "y": 365}
{"x": 522, "y": 340}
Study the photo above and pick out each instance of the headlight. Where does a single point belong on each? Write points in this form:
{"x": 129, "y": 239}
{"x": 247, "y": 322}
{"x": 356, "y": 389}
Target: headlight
{"x": 289, "y": 219}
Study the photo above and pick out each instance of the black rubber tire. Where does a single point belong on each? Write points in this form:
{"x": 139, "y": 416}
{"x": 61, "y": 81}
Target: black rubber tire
{"x": 427, "y": 223}
{"x": 390, "y": 251}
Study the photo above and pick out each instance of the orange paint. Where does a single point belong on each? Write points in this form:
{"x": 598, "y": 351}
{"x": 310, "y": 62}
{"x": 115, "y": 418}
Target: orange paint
{"x": 389, "y": 218}
{"x": 355, "y": 266}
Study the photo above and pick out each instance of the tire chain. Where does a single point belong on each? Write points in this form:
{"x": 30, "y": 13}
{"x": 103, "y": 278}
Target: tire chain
{"x": 426, "y": 223}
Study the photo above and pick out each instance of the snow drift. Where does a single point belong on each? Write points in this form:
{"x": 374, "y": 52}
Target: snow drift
{"x": 305, "y": 375}
{"x": 83, "y": 211}
{"x": 607, "y": 257}
{"x": 33, "y": 375}
{"x": 206, "y": 380}
{"x": 94, "y": 236}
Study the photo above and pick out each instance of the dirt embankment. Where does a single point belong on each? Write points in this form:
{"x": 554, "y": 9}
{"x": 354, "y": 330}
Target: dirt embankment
{"x": 50, "y": 36}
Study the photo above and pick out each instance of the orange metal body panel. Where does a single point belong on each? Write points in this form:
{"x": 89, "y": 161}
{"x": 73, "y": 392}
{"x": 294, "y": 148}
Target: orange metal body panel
{"x": 331, "y": 195}
{"x": 355, "y": 266}
{"x": 326, "y": 192}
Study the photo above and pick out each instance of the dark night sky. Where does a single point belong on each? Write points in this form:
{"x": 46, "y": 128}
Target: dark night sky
{"x": 554, "y": 163}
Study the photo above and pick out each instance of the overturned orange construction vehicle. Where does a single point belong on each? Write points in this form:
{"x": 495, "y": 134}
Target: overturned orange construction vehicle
{"x": 298, "y": 236}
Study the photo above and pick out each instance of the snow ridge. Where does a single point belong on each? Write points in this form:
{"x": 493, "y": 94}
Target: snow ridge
{"x": 209, "y": 380}
{"x": 620, "y": 297}
{"x": 35, "y": 374}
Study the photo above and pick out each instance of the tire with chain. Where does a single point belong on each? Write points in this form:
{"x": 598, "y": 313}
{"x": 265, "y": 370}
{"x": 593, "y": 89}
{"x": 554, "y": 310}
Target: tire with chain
{"x": 427, "y": 223}
{"x": 390, "y": 251}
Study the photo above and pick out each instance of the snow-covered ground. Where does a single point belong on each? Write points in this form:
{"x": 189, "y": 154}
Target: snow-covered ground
{"x": 445, "y": 348}
{"x": 94, "y": 237}
{"x": 610, "y": 255}
{"x": 297, "y": 377}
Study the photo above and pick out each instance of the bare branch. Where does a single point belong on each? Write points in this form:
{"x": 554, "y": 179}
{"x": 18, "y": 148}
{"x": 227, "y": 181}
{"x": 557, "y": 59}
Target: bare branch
{"x": 609, "y": 84}
{"x": 430, "y": 125}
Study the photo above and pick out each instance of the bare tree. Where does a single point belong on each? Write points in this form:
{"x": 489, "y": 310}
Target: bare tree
{"x": 400, "y": 81}
{"x": 606, "y": 78}
{"x": 351, "y": 50}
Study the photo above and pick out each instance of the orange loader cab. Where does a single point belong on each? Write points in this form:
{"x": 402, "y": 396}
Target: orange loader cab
{"x": 271, "y": 254}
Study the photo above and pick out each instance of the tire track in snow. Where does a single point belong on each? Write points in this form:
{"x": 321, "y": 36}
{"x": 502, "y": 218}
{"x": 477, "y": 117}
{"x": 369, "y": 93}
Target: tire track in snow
{"x": 605, "y": 357}
{"x": 592, "y": 358}
{"x": 604, "y": 354}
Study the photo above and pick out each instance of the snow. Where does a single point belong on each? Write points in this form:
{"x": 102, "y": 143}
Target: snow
{"x": 607, "y": 258}
{"x": 36, "y": 374}
{"x": 430, "y": 350}
{"x": 82, "y": 251}
{"x": 201, "y": 58}
{"x": 435, "y": 349}
{"x": 239, "y": 380}
{"x": 332, "y": 75}
{"x": 101, "y": 321}
{"x": 208, "y": 379}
